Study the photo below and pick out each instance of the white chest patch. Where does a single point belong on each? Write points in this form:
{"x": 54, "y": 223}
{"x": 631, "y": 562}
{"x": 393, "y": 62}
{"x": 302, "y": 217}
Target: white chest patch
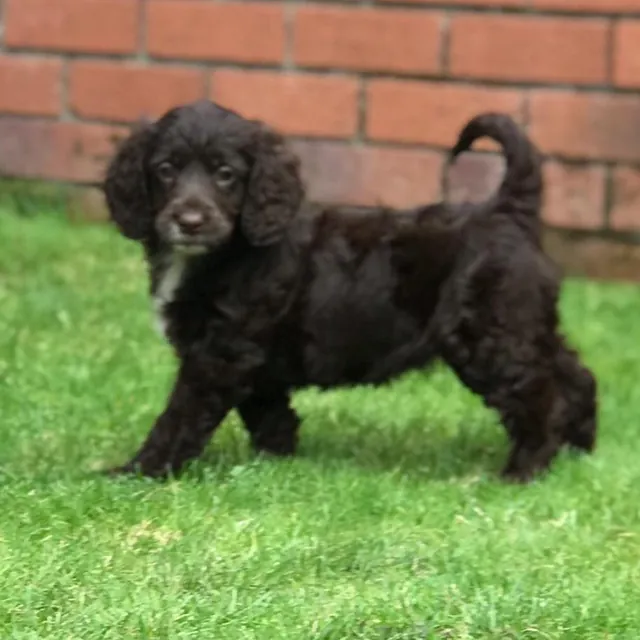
{"x": 168, "y": 284}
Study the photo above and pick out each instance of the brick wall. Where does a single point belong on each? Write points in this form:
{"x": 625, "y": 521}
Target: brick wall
{"x": 374, "y": 90}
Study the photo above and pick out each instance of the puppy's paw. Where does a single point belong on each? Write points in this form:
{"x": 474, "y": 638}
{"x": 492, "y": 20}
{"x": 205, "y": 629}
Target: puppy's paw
{"x": 133, "y": 470}
{"x": 117, "y": 472}
{"x": 523, "y": 473}
{"x": 582, "y": 440}
{"x": 517, "y": 476}
{"x": 281, "y": 447}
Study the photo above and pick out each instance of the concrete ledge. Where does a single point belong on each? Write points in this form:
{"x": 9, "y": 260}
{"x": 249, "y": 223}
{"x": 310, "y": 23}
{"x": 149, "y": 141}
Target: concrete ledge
{"x": 602, "y": 257}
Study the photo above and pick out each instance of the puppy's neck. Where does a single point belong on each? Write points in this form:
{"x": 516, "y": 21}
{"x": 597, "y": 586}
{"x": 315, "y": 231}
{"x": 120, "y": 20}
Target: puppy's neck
{"x": 169, "y": 271}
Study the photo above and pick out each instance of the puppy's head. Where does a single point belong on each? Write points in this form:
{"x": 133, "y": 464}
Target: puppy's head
{"x": 201, "y": 172}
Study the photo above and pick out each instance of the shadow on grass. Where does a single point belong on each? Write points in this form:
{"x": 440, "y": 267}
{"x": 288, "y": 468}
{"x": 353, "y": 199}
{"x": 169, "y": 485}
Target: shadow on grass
{"x": 426, "y": 451}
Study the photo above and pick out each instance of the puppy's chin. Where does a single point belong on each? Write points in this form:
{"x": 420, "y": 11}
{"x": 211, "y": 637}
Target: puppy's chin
{"x": 193, "y": 244}
{"x": 190, "y": 249}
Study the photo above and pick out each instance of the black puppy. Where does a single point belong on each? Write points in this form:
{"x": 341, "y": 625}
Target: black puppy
{"x": 261, "y": 292}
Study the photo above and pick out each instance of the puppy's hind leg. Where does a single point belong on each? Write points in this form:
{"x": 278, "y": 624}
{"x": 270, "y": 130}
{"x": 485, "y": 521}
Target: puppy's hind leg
{"x": 272, "y": 424}
{"x": 579, "y": 391}
{"x": 514, "y": 378}
{"x": 530, "y": 412}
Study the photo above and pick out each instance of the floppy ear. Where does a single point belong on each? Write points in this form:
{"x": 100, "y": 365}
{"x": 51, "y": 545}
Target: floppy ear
{"x": 125, "y": 186}
{"x": 274, "y": 192}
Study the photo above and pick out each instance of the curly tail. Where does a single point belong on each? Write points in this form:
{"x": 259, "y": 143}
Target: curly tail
{"x": 521, "y": 188}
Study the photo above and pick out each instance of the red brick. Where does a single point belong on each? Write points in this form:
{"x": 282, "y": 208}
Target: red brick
{"x": 31, "y": 85}
{"x": 586, "y": 125}
{"x": 126, "y": 92}
{"x": 340, "y": 173}
{"x": 97, "y": 26}
{"x": 532, "y": 49}
{"x": 55, "y": 150}
{"x": 625, "y": 210}
{"x": 297, "y": 104}
{"x": 367, "y": 39}
{"x": 584, "y": 6}
{"x": 474, "y": 177}
{"x": 242, "y": 32}
{"x": 467, "y": 3}
{"x": 574, "y": 195}
{"x": 431, "y": 113}
{"x": 626, "y": 54}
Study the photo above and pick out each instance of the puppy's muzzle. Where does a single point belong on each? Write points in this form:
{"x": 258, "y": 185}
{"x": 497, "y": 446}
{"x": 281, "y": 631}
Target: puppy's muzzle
{"x": 189, "y": 221}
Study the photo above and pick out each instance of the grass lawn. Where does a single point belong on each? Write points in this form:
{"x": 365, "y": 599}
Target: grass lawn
{"x": 390, "y": 524}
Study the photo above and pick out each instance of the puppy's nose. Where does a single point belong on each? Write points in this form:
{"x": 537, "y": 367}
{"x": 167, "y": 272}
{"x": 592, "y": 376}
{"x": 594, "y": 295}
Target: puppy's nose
{"x": 190, "y": 221}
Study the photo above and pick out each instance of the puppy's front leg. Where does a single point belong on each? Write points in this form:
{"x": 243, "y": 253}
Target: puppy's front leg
{"x": 196, "y": 407}
{"x": 272, "y": 423}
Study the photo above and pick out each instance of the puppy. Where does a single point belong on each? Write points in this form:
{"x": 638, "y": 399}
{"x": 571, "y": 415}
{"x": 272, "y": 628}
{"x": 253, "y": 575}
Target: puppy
{"x": 261, "y": 292}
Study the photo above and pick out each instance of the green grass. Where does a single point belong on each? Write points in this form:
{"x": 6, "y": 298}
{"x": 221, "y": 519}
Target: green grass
{"x": 390, "y": 524}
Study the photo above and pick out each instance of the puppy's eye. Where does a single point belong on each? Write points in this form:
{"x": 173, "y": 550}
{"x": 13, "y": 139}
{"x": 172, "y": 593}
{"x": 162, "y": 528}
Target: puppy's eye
{"x": 166, "y": 172}
{"x": 225, "y": 175}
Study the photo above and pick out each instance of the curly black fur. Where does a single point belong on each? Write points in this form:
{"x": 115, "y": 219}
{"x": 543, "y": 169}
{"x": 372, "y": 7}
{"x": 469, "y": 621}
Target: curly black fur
{"x": 261, "y": 292}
